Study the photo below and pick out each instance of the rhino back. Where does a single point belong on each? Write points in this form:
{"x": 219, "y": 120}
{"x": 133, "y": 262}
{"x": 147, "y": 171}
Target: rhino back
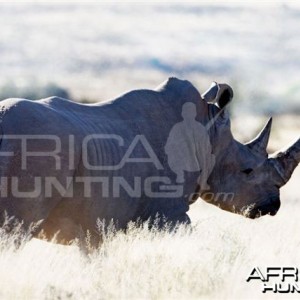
{"x": 146, "y": 113}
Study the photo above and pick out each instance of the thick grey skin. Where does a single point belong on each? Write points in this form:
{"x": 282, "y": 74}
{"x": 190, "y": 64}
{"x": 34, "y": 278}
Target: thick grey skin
{"x": 142, "y": 112}
{"x": 146, "y": 112}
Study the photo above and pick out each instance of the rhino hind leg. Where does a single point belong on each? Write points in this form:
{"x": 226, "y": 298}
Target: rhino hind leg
{"x": 60, "y": 230}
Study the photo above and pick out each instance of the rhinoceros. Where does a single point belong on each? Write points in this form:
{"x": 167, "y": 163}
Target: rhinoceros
{"x": 146, "y": 155}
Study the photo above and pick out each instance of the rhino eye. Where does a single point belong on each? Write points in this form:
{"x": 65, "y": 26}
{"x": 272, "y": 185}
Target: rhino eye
{"x": 247, "y": 171}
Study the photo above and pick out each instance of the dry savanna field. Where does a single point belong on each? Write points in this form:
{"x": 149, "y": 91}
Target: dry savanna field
{"x": 211, "y": 260}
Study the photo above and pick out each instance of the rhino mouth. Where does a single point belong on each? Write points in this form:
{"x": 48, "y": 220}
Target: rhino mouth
{"x": 268, "y": 208}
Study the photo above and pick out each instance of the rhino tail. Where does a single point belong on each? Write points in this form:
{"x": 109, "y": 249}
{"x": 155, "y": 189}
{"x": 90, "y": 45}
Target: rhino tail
{"x": 1, "y": 134}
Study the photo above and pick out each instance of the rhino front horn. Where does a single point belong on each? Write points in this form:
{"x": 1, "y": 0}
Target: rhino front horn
{"x": 285, "y": 161}
{"x": 260, "y": 143}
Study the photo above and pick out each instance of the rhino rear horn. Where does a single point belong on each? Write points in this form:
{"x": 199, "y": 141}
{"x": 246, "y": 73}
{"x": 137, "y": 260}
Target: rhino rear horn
{"x": 219, "y": 93}
{"x": 285, "y": 161}
{"x": 260, "y": 143}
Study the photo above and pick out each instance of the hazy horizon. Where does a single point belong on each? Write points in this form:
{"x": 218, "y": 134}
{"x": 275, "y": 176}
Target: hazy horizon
{"x": 97, "y": 51}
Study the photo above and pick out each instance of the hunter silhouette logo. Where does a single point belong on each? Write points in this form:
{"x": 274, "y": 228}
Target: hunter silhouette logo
{"x": 184, "y": 152}
{"x": 277, "y": 279}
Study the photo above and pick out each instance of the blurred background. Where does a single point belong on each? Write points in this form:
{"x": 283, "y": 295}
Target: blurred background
{"x": 95, "y": 51}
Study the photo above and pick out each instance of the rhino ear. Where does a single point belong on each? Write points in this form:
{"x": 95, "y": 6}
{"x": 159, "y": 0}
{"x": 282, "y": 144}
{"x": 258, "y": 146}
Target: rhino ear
{"x": 211, "y": 94}
{"x": 219, "y": 93}
{"x": 260, "y": 143}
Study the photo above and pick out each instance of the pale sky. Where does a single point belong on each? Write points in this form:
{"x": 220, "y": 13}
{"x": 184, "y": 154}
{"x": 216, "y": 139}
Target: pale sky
{"x": 211, "y": 2}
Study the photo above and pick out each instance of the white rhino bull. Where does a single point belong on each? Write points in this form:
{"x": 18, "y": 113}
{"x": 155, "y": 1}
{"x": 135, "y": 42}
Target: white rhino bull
{"x": 147, "y": 154}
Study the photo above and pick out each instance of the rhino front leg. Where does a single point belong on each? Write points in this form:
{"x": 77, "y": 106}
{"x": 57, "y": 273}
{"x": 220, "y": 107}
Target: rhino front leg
{"x": 164, "y": 213}
{"x": 170, "y": 223}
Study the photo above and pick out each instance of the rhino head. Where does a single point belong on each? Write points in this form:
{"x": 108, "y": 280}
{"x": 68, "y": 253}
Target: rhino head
{"x": 245, "y": 179}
